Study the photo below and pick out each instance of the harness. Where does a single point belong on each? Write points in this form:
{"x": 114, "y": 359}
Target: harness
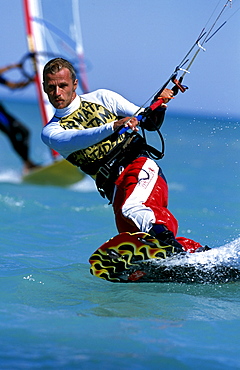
{"x": 133, "y": 146}
{"x": 106, "y": 159}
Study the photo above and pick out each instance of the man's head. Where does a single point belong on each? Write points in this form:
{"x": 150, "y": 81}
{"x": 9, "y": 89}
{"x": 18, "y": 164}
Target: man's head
{"x": 59, "y": 82}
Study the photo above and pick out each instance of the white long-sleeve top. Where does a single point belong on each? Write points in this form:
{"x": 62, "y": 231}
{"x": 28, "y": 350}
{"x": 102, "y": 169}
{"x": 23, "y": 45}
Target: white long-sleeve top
{"x": 68, "y": 141}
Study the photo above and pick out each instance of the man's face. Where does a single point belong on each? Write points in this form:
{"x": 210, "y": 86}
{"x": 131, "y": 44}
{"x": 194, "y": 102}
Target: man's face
{"x": 60, "y": 88}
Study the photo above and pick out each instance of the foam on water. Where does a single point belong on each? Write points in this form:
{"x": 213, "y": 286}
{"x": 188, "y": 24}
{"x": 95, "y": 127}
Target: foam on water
{"x": 227, "y": 255}
{"x": 86, "y": 185}
{"x": 10, "y": 176}
{"x": 218, "y": 265}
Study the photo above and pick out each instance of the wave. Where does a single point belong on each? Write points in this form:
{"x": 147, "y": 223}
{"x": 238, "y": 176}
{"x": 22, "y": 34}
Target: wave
{"x": 10, "y": 176}
{"x": 217, "y": 265}
{"x": 85, "y": 185}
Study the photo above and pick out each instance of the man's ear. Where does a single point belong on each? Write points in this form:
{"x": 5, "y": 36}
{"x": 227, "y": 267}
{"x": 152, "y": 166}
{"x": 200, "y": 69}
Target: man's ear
{"x": 75, "y": 84}
{"x": 43, "y": 85}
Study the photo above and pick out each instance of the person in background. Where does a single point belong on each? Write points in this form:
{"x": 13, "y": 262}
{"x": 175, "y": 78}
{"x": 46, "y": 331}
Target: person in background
{"x": 85, "y": 131}
{"x": 17, "y": 133}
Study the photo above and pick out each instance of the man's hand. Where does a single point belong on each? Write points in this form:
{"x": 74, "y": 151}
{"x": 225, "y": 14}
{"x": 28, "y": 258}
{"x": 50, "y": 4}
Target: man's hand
{"x": 167, "y": 95}
{"x": 130, "y": 122}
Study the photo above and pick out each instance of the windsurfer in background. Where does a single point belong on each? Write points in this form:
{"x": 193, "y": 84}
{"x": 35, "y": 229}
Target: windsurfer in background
{"x": 84, "y": 130}
{"x": 17, "y": 133}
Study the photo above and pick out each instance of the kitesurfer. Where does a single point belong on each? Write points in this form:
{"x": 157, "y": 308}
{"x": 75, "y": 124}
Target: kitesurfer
{"x": 84, "y": 130}
{"x": 17, "y": 133}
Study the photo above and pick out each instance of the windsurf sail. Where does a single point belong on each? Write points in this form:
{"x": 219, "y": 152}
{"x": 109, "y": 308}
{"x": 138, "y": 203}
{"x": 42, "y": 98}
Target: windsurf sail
{"x": 53, "y": 30}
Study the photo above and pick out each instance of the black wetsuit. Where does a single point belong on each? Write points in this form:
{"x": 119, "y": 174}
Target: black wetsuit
{"x": 17, "y": 133}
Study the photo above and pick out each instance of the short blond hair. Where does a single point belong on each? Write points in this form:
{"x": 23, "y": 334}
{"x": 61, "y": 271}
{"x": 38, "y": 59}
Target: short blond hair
{"x": 56, "y": 64}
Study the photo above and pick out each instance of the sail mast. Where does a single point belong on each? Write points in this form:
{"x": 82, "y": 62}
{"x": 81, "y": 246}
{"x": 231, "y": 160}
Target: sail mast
{"x": 29, "y": 10}
{"x": 77, "y": 36}
{"x": 48, "y": 38}
{"x": 35, "y": 45}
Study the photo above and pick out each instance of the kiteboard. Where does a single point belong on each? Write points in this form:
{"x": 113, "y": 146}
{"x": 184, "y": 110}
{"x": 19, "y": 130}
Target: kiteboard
{"x": 139, "y": 257}
{"x": 60, "y": 173}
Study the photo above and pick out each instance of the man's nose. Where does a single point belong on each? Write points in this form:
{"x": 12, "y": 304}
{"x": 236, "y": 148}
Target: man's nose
{"x": 57, "y": 90}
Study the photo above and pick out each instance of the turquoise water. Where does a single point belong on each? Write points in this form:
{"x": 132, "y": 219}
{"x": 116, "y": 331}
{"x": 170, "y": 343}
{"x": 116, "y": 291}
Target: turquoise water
{"x": 55, "y": 315}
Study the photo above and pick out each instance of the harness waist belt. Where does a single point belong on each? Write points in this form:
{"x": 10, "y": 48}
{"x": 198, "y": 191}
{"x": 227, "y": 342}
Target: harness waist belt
{"x": 121, "y": 156}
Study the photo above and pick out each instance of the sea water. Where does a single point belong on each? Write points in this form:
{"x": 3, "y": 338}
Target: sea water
{"x": 56, "y": 315}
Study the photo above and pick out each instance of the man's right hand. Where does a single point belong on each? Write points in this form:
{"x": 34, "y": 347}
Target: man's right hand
{"x": 130, "y": 122}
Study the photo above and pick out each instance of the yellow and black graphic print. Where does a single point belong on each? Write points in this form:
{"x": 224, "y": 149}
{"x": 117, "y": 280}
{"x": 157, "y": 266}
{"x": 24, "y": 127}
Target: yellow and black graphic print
{"x": 118, "y": 259}
{"x": 90, "y": 115}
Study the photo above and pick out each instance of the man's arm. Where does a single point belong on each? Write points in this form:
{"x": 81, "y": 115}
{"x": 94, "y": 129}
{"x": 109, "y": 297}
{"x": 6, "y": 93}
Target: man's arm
{"x": 66, "y": 142}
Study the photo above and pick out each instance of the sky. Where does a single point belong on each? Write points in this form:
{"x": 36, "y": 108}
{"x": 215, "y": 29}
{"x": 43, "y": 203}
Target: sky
{"x": 133, "y": 46}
